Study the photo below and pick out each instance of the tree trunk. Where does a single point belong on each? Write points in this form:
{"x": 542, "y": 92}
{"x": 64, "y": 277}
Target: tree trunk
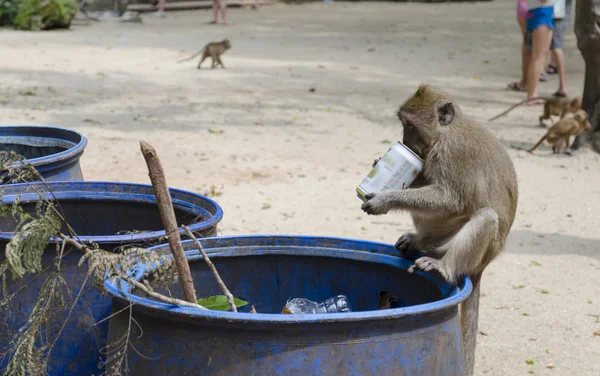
{"x": 587, "y": 30}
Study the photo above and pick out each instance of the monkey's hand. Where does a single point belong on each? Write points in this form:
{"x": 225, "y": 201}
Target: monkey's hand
{"x": 428, "y": 264}
{"x": 377, "y": 203}
{"x": 407, "y": 247}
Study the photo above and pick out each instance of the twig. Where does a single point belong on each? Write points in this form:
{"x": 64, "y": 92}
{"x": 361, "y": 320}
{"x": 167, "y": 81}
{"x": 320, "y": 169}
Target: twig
{"x": 74, "y": 243}
{"x": 212, "y": 268}
{"x": 82, "y": 248}
{"x": 167, "y": 214}
{"x": 157, "y": 296}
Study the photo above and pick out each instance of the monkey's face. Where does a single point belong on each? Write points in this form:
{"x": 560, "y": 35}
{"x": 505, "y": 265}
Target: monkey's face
{"x": 582, "y": 117}
{"x": 424, "y": 117}
{"x": 226, "y": 44}
{"x": 575, "y": 104}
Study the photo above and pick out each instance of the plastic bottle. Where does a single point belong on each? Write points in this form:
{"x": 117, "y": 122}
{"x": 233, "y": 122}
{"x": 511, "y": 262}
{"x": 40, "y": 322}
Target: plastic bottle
{"x": 332, "y": 305}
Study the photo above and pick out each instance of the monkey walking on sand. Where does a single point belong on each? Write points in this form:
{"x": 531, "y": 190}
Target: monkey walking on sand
{"x": 556, "y": 106}
{"x": 559, "y": 135}
{"x": 214, "y": 50}
{"x": 463, "y": 202}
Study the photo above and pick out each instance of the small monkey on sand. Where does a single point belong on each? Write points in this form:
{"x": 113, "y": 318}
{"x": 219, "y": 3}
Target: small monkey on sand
{"x": 559, "y": 134}
{"x": 463, "y": 203}
{"x": 553, "y": 106}
{"x": 214, "y": 50}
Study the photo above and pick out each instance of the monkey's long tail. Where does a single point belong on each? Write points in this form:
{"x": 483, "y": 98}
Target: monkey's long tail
{"x": 538, "y": 144}
{"x": 191, "y": 57}
{"x": 469, "y": 318}
{"x": 515, "y": 106}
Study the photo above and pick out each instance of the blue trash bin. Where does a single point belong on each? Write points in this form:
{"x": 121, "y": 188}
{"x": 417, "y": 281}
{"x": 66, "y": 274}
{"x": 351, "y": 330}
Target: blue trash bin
{"x": 109, "y": 214}
{"x": 54, "y": 152}
{"x": 422, "y": 336}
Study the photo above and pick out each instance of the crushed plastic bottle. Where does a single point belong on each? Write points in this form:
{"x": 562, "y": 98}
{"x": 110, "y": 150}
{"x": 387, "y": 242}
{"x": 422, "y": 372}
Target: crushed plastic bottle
{"x": 332, "y": 305}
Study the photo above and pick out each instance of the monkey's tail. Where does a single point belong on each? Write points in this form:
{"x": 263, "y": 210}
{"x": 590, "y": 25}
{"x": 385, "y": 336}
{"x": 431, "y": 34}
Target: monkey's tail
{"x": 513, "y": 107}
{"x": 193, "y": 56}
{"x": 469, "y": 317}
{"x": 538, "y": 144}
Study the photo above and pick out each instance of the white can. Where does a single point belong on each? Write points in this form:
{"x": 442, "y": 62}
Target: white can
{"x": 396, "y": 170}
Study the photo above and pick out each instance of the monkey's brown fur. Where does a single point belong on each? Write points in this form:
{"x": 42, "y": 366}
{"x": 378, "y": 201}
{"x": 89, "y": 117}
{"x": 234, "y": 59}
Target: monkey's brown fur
{"x": 560, "y": 133}
{"x": 553, "y": 106}
{"x": 214, "y": 50}
{"x": 464, "y": 202}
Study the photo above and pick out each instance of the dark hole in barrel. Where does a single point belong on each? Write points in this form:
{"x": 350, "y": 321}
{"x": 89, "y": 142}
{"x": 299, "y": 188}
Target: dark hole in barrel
{"x": 31, "y": 151}
{"x": 111, "y": 217}
{"x": 269, "y": 281}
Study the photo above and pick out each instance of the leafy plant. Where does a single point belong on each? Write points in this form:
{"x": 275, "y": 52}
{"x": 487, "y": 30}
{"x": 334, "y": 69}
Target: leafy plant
{"x": 8, "y": 11}
{"x": 220, "y": 303}
{"x": 44, "y": 14}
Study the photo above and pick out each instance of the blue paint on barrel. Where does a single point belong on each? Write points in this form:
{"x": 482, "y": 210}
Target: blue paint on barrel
{"x": 420, "y": 337}
{"x": 99, "y": 212}
{"x": 53, "y": 151}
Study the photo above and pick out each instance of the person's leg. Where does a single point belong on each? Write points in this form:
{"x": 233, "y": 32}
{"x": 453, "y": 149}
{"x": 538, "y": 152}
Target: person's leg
{"x": 223, "y": 11}
{"x": 558, "y": 55}
{"x": 522, "y": 85}
{"x": 161, "y": 5}
{"x": 215, "y": 10}
{"x": 525, "y": 59}
{"x": 541, "y": 38}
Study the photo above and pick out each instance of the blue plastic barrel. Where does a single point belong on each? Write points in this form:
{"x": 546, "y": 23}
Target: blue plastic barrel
{"x": 422, "y": 336}
{"x": 111, "y": 215}
{"x": 54, "y": 152}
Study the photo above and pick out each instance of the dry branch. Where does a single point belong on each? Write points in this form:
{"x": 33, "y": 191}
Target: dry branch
{"x": 213, "y": 269}
{"x": 167, "y": 214}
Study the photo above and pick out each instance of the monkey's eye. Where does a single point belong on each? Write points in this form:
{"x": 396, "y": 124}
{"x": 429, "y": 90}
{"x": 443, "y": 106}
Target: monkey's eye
{"x": 408, "y": 124}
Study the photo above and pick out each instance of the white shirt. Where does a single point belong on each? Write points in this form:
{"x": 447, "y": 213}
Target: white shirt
{"x": 560, "y": 9}
{"x": 534, "y": 4}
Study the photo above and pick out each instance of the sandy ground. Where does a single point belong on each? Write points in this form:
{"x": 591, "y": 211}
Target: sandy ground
{"x": 288, "y": 160}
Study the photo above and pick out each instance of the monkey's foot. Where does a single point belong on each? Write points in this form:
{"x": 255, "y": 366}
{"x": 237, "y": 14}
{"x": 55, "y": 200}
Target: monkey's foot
{"x": 428, "y": 264}
{"x": 376, "y": 204}
{"x": 406, "y": 246}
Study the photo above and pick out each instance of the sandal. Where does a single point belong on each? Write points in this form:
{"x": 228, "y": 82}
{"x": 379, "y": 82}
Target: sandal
{"x": 558, "y": 94}
{"x": 534, "y": 102}
{"x": 543, "y": 77}
{"x": 514, "y": 86}
{"x": 552, "y": 69}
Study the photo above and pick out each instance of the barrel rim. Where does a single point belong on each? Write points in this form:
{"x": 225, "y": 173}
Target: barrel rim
{"x": 69, "y": 154}
{"x": 457, "y": 295}
{"x": 212, "y": 221}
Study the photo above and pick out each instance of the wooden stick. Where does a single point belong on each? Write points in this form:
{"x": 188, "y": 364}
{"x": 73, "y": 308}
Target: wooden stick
{"x": 212, "y": 267}
{"x": 157, "y": 296}
{"x": 167, "y": 214}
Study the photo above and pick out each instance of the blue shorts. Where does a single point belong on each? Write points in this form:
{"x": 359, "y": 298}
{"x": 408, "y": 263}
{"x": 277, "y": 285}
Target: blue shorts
{"x": 540, "y": 17}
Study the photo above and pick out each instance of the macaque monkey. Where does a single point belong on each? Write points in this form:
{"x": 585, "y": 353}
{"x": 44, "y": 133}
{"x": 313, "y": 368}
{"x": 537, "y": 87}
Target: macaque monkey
{"x": 464, "y": 204}
{"x": 385, "y": 299}
{"x": 214, "y": 50}
{"x": 560, "y": 133}
{"x": 555, "y": 106}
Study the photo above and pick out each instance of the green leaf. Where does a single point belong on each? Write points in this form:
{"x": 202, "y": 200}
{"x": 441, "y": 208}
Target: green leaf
{"x": 220, "y": 303}
{"x": 529, "y": 361}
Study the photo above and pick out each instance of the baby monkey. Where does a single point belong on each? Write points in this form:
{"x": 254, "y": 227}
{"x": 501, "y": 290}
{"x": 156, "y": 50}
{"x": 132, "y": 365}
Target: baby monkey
{"x": 553, "y": 106}
{"x": 214, "y": 50}
{"x": 559, "y": 134}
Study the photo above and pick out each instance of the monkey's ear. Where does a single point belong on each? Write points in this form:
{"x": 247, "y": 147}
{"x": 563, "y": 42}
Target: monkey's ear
{"x": 577, "y": 116}
{"x": 574, "y": 101}
{"x": 445, "y": 112}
